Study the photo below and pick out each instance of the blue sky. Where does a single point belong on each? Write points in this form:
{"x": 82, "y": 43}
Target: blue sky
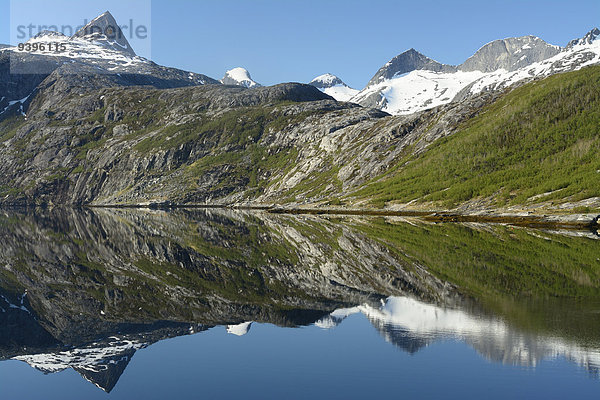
{"x": 290, "y": 40}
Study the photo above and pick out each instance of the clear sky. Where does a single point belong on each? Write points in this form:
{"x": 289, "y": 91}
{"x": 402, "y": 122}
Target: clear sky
{"x": 296, "y": 40}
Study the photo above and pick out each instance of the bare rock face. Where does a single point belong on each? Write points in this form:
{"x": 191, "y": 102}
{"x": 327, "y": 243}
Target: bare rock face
{"x": 218, "y": 144}
{"x": 510, "y": 54}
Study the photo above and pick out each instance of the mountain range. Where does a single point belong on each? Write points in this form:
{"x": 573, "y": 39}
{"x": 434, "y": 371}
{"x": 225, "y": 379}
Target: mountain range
{"x": 407, "y": 83}
{"x": 413, "y": 82}
{"x": 97, "y": 124}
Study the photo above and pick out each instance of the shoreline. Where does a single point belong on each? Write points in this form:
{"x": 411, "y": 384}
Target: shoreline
{"x": 571, "y": 221}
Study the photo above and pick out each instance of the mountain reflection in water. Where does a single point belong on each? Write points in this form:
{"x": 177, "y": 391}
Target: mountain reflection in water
{"x": 86, "y": 289}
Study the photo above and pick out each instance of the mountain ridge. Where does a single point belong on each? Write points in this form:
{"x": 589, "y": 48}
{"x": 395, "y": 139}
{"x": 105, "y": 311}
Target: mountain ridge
{"x": 413, "y": 82}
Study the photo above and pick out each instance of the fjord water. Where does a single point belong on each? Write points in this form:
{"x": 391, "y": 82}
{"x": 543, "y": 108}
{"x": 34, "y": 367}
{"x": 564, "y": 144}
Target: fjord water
{"x": 222, "y": 304}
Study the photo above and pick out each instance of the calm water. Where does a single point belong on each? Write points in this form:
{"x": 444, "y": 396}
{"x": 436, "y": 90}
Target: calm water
{"x": 193, "y": 304}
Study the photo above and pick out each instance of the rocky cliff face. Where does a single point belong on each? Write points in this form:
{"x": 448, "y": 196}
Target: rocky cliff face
{"x": 124, "y": 131}
{"x": 510, "y": 54}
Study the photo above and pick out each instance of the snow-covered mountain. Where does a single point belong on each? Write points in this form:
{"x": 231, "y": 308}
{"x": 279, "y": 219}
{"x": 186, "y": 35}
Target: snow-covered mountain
{"x": 240, "y": 77}
{"x": 105, "y": 59}
{"x": 334, "y": 87}
{"x": 104, "y": 30}
{"x": 413, "y": 82}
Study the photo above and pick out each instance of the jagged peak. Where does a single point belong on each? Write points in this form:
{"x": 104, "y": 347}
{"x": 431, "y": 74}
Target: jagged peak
{"x": 587, "y": 39}
{"x": 405, "y": 62}
{"x": 105, "y": 29}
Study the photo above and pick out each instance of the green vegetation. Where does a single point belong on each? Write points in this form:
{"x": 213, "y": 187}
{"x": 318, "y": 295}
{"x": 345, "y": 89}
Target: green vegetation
{"x": 540, "y": 139}
{"x": 9, "y": 127}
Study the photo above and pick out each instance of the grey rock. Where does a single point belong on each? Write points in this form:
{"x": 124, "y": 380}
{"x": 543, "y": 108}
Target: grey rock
{"x": 509, "y": 54}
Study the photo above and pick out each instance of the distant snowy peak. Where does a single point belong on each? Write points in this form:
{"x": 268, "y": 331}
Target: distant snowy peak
{"x": 588, "y": 39}
{"x": 326, "y": 81}
{"x": 239, "y": 77}
{"x": 334, "y": 87}
{"x": 510, "y": 54}
{"x": 406, "y": 62}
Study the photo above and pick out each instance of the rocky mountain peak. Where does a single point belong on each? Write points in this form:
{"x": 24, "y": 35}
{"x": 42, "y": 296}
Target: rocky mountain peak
{"x": 408, "y": 61}
{"x": 510, "y": 54}
{"x": 587, "y": 39}
{"x": 239, "y": 77}
{"x": 105, "y": 30}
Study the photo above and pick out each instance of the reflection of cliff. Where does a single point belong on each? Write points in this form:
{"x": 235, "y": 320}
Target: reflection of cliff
{"x": 412, "y": 324}
{"x": 86, "y": 289}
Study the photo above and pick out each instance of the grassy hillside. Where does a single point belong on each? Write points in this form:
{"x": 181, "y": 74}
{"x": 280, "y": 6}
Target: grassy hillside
{"x": 540, "y": 139}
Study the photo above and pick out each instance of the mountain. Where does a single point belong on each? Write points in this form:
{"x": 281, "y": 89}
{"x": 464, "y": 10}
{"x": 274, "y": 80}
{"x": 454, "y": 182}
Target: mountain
{"x": 90, "y": 60}
{"x": 588, "y": 39}
{"x": 239, "y": 77}
{"x": 412, "y": 82}
{"x": 406, "y": 62}
{"x": 104, "y": 131}
{"x": 105, "y": 30}
{"x": 510, "y": 54}
{"x": 536, "y": 144}
{"x": 334, "y": 87}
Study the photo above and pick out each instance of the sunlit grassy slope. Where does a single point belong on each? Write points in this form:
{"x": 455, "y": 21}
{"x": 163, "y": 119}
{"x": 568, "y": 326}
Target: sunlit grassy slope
{"x": 539, "y": 138}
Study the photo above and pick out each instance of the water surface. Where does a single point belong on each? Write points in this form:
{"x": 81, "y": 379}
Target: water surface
{"x": 221, "y": 304}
